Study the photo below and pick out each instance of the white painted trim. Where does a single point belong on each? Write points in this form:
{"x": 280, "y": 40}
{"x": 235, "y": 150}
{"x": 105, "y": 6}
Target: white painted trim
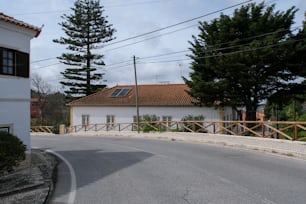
{"x": 18, "y": 29}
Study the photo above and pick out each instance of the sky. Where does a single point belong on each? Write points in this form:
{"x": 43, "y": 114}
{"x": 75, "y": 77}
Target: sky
{"x": 161, "y": 57}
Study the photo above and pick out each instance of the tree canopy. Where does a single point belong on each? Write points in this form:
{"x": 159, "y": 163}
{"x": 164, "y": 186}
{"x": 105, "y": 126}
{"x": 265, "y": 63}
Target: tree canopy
{"x": 86, "y": 29}
{"x": 243, "y": 59}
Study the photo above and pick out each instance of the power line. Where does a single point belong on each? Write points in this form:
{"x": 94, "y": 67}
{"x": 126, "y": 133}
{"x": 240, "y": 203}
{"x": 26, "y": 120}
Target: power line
{"x": 176, "y": 24}
{"x": 157, "y": 36}
{"x": 177, "y": 52}
{"x": 50, "y": 65}
{"x": 135, "y": 3}
{"x": 229, "y": 47}
{"x": 42, "y": 60}
{"x": 118, "y": 63}
{"x": 166, "y": 54}
{"x": 224, "y": 54}
{"x": 112, "y": 68}
{"x": 107, "y": 6}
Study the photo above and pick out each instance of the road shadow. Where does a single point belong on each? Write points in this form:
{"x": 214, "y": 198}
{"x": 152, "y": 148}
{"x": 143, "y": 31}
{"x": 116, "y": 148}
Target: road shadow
{"x": 93, "y": 165}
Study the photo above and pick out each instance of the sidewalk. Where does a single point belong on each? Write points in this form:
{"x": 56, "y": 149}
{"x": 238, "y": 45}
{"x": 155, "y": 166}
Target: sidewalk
{"x": 30, "y": 185}
{"x": 276, "y": 146}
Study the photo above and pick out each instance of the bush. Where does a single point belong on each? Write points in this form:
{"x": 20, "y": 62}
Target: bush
{"x": 12, "y": 151}
{"x": 151, "y": 120}
{"x": 193, "y": 126}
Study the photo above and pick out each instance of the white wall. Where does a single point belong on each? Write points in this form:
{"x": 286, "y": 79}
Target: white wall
{"x": 15, "y": 91}
{"x": 125, "y": 114}
{"x": 15, "y": 38}
{"x": 15, "y": 106}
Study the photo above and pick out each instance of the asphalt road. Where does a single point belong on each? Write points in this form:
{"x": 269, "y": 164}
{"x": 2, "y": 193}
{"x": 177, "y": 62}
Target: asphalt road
{"x": 138, "y": 171}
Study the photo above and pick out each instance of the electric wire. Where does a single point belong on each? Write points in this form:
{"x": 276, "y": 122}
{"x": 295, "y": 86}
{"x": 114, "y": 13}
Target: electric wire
{"x": 184, "y": 51}
{"x": 48, "y": 12}
{"x": 157, "y": 36}
{"x": 225, "y": 54}
{"x": 176, "y": 24}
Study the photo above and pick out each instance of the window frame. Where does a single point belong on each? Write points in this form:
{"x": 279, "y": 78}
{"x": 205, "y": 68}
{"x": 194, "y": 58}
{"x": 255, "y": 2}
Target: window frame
{"x": 110, "y": 120}
{"x": 21, "y": 63}
{"x": 85, "y": 120}
{"x": 5, "y": 129}
{"x": 167, "y": 119}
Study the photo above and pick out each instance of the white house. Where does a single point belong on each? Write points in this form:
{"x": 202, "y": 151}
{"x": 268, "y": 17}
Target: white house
{"x": 14, "y": 76}
{"x": 169, "y": 102}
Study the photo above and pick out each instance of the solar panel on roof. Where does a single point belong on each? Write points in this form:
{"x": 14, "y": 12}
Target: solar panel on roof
{"x": 123, "y": 92}
{"x": 120, "y": 92}
{"x": 115, "y": 93}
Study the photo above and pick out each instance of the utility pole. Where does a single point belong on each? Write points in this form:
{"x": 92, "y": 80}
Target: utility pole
{"x": 136, "y": 95}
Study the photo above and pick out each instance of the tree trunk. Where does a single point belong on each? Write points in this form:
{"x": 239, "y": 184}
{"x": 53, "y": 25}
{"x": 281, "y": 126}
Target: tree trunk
{"x": 88, "y": 87}
{"x": 251, "y": 114}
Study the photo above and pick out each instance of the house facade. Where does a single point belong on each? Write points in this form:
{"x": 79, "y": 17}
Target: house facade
{"x": 168, "y": 102}
{"x": 15, "y": 76}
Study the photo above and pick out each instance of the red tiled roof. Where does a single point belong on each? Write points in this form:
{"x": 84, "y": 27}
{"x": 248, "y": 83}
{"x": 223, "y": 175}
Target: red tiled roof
{"x": 149, "y": 95}
{"x": 12, "y": 20}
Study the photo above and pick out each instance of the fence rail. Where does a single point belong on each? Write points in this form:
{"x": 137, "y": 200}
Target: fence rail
{"x": 268, "y": 129}
{"x": 47, "y": 129}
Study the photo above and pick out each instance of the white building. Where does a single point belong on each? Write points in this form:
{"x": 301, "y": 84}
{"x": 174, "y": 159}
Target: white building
{"x": 14, "y": 76}
{"x": 169, "y": 102}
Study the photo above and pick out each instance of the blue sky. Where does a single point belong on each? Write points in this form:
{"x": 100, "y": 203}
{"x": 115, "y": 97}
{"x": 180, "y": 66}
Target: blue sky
{"x": 129, "y": 18}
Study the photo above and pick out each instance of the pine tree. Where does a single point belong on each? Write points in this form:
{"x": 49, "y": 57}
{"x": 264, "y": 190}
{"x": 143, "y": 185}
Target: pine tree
{"x": 241, "y": 60}
{"x": 86, "y": 29}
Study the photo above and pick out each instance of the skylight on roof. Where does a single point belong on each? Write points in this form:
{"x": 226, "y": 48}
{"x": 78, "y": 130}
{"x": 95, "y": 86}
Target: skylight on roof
{"x": 122, "y": 92}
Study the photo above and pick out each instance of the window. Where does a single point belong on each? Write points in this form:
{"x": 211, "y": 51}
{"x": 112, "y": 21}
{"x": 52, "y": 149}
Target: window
{"x": 167, "y": 120}
{"x": 135, "y": 118}
{"x": 110, "y": 120}
{"x": 8, "y": 62}
{"x": 22, "y": 64}
{"x": 4, "y": 129}
{"x": 14, "y": 63}
{"x": 85, "y": 120}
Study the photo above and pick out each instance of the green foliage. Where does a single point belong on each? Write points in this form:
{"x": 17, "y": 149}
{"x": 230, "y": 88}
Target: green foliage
{"x": 193, "y": 126}
{"x": 302, "y": 118}
{"x": 12, "y": 151}
{"x": 151, "y": 124}
{"x": 53, "y": 111}
{"x": 86, "y": 30}
{"x": 193, "y": 118}
{"x": 290, "y": 109}
{"x": 240, "y": 60}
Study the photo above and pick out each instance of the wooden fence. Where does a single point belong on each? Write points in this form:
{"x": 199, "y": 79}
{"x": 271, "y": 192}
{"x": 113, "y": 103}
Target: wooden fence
{"x": 47, "y": 129}
{"x": 268, "y": 129}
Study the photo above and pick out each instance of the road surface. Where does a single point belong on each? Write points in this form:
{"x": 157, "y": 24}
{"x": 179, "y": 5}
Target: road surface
{"x": 137, "y": 171}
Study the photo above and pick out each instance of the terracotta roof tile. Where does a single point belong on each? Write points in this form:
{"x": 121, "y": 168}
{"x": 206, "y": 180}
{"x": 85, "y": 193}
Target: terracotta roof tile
{"x": 149, "y": 95}
{"x": 12, "y": 20}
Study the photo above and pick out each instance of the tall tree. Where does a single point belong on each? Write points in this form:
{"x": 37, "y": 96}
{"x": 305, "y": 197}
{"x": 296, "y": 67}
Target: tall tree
{"x": 86, "y": 29}
{"x": 241, "y": 60}
{"x": 40, "y": 89}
